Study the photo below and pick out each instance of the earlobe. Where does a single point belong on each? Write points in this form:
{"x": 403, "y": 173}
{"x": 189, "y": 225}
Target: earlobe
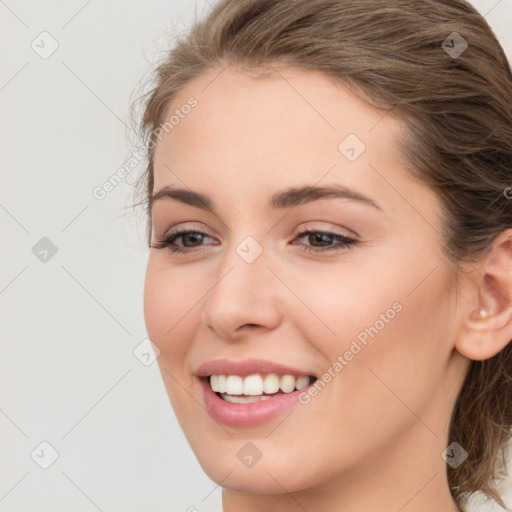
{"x": 488, "y": 327}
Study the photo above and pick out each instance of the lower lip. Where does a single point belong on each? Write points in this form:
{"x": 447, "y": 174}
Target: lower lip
{"x": 246, "y": 415}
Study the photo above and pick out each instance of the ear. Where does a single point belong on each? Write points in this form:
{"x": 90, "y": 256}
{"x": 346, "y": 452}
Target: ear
{"x": 487, "y": 326}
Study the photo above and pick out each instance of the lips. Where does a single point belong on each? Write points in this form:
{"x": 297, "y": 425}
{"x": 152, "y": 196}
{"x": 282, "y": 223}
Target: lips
{"x": 246, "y": 367}
{"x": 245, "y": 412}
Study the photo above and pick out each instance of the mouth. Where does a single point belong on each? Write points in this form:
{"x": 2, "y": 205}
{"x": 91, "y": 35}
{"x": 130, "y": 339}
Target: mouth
{"x": 256, "y": 387}
{"x": 250, "y": 392}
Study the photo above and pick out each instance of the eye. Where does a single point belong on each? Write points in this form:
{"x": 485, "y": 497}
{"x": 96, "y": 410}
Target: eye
{"x": 168, "y": 240}
{"x": 326, "y": 239}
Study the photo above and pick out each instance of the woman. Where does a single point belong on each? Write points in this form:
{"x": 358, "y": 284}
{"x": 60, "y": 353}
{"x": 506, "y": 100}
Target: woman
{"x": 329, "y": 282}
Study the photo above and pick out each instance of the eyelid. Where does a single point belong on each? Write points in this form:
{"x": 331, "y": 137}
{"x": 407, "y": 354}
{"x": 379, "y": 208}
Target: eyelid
{"x": 181, "y": 227}
{"x": 331, "y": 228}
{"x": 310, "y": 225}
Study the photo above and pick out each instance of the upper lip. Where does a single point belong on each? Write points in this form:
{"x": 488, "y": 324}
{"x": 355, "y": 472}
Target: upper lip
{"x": 245, "y": 367}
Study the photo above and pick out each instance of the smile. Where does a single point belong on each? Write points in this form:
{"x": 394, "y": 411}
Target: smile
{"x": 256, "y": 387}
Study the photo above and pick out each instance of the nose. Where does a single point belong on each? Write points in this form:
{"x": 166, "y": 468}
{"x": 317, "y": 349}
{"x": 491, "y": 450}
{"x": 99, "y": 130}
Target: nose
{"x": 245, "y": 296}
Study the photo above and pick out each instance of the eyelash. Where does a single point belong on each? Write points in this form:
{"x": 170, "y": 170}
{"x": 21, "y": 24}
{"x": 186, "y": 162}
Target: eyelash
{"x": 345, "y": 242}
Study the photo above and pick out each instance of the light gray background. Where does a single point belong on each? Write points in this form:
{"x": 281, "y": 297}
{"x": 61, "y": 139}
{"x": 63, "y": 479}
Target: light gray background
{"x": 70, "y": 325}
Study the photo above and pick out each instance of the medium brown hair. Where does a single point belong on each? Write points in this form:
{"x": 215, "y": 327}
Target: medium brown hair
{"x": 458, "y": 113}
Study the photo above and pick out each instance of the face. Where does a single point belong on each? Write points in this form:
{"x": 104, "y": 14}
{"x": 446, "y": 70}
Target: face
{"x": 361, "y": 301}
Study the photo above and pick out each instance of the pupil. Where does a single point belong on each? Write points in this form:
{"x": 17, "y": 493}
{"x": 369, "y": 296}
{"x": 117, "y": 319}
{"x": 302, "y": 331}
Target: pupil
{"x": 319, "y": 236}
{"x": 191, "y": 235}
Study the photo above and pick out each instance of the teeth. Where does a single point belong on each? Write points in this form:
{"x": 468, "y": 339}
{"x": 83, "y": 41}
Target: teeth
{"x": 302, "y": 382}
{"x": 255, "y": 385}
{"x": 214, "y": 382}
{"x": 287, "y": 383}
{"x": 235, "y": 385}
{"x": 237, "y": 399}
{"x": 271, "y": 384}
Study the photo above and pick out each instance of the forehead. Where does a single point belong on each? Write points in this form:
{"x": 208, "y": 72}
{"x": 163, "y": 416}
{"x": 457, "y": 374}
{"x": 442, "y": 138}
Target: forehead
{"x": 288, "y": 124}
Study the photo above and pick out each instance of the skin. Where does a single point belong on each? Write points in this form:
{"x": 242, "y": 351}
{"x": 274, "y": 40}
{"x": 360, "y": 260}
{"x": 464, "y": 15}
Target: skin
{"x": 382, "y": 422}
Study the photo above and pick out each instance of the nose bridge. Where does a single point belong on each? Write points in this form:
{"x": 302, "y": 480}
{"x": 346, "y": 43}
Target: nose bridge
{"x": 242, "y": 292}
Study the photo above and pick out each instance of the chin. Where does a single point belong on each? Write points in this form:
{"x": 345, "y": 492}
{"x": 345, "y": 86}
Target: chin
{"x": 264, "y": 477}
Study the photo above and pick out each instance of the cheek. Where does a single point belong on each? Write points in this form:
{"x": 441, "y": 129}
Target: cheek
{"x": 402, "y": 360}
{"x": 343, "y": 305}
{"x": 171, "y": 320}
{"x": 169, "y": 299}
{"x": 391, "y": 328}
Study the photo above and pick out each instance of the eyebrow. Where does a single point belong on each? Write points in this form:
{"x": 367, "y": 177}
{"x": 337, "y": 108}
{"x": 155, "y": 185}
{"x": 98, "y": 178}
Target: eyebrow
{"x": 288, "y": 198}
